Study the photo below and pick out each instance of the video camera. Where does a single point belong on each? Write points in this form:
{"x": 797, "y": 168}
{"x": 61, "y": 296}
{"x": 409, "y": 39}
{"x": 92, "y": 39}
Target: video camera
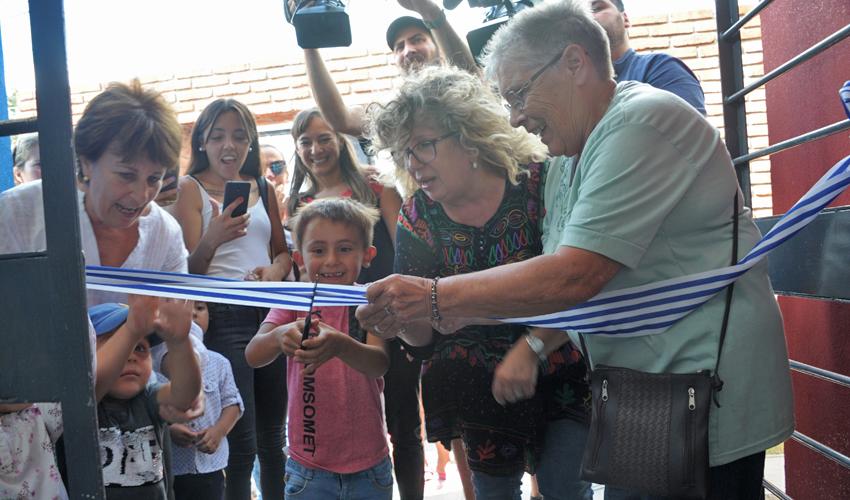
{"x": 319, "y": 23}
{"x": 498, "y": 14}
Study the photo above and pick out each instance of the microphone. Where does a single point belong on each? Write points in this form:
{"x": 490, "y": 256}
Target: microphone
{"x": 451, "y": 4}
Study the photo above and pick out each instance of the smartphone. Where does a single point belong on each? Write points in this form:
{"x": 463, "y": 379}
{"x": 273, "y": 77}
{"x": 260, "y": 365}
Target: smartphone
{"x": 233, "y": 190}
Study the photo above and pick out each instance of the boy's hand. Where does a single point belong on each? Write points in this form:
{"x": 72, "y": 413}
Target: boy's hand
{"x": 289, "y": 337}
{"x": 515, "y": 378}
{"x": 174, "y": 320}
{"x": 141, "y": 319}
{"x": 170, "y": 413}
{"x": 182, "y": 435}
{"x": 209, "y": 440}
{"x": 315, "y": 351}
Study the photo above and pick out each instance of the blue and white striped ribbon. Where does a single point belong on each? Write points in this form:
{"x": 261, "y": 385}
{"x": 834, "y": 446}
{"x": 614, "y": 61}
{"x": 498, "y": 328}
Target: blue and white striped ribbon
{"x": 642, "y": 310}
{"x": 845, "y": 97}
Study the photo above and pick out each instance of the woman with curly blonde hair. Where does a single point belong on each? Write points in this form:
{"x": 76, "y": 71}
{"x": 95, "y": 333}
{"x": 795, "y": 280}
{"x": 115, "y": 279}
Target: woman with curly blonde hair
{"x": 476, "y": 203}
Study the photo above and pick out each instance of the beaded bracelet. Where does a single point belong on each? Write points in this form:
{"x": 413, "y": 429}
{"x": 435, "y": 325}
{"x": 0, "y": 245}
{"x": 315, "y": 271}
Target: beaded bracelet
{"x": 435, "y": 311}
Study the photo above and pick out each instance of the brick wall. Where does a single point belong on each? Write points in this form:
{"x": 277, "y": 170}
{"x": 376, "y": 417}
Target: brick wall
{"x": 277, "y": 89}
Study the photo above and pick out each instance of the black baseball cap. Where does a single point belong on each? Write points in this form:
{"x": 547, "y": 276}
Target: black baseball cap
{"x": 402, "y": 23}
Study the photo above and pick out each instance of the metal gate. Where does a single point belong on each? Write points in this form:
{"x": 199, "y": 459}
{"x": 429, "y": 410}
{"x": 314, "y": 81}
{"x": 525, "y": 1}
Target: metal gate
{"x": 46, "y": 354}
{"x": 811, "y": 272}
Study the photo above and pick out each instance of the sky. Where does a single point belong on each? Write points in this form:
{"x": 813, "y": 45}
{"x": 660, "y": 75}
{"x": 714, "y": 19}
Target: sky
{"x": 118, "y": 39}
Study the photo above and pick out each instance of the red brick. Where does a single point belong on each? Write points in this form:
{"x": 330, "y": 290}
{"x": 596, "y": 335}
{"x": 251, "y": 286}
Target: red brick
{"x": 751, "y": 33}
{"x": 671, "y": 29}
{"x": 693, "y": 39}
{"x": 266, "y": 64}
{"x": 191, "y": 73}
{"x": 371, "y": 86}
{"x": 351, "y": 76}
{"x": 701, "y": 63}
{"x": 708, "y": 75}
{"x": 266, "y": 85}
{"x": 681, "y": 52}
{"x": 650, "y": 43}
{"x": 693, "y": 15}
{"x": 156, "y": 78}
{"x": 183, "y": 106}
{"x": 291, "y": 94}
{"x": 194, "y": 94}
{"x": 708, "y": 50}
{"x": 383, "y": 72}
{"x": 337, "y": 65}
{"x": 232, "y": 89}
{"x": 752, "y": 58}
{"x": 247, "y": 76}
{"x": 231, "y": 68}
{"x": 646, "y": 20}
{"x": 638, "y": 32}
{"x": 209, "y": 81}
{"x": 256, "y": 98}
{"x": 751, "y": 46}
{"x": 705, "y": 26}
{"x": 289, "y": 70}
{"x": 173, "y": 84}
{"x": 187, "y": 117}
{"x": 368, "y": 62}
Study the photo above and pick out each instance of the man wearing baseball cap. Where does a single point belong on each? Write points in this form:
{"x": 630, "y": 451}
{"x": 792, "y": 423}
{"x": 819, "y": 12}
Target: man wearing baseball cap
{"x": 415, "y": 42}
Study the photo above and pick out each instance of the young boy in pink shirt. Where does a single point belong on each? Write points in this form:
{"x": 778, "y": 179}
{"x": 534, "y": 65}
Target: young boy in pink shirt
{"x": 337, "y": 444}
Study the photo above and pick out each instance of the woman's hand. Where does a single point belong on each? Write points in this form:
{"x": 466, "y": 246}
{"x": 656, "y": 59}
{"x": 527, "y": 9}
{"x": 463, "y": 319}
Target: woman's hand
{"x": 395, "y": 301}
{"x": 272, "y": 272}
{"x": 224, "y": 227}
{"x": 515, "y": 378}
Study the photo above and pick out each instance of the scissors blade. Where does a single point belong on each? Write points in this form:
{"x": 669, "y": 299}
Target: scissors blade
{"x": 306, "y": 333}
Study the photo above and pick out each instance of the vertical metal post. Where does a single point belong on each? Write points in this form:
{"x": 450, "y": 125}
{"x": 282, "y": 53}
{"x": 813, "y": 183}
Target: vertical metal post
{"x": 731, "y": 81}
{"x": 64, "y": 258}
{"x": 6, "y": 159}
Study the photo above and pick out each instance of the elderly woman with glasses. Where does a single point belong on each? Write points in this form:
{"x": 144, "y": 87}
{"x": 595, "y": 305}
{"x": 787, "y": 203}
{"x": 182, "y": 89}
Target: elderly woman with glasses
{"x": 647, "y": 196}
{"x": 476, "y": 203}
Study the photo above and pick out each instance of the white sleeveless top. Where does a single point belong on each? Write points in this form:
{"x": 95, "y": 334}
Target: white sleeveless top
{"x": 236, "y": 258}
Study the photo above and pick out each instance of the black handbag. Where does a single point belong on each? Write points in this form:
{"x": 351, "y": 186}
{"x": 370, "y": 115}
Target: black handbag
{"x": 649, "y": 431}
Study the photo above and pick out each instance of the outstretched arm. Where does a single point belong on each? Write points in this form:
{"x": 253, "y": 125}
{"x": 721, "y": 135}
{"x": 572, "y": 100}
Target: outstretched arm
{"x": 454, "y": 49}
{"x": 326, "y": 94}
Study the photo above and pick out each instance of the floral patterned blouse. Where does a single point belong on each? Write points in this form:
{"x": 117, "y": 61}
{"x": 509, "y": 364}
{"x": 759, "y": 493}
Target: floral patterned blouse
{"x": 457, "y": 371}
{"x": 27, "y": 457}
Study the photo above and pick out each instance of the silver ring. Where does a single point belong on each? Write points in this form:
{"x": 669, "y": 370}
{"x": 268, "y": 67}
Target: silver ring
{"x": 389, "y": 310}
{"x": 402, "y": 331}
{"x": 377, "y": 330}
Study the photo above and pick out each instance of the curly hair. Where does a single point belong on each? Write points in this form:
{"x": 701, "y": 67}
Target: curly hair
{"x": 453, "y": 100}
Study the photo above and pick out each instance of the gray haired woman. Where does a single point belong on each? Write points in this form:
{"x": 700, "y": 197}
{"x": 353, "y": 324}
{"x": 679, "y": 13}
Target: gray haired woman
{"x": 647, "y": 196}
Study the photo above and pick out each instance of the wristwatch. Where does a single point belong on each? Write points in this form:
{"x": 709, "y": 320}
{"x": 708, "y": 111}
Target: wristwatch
{"x": 537, "y": 346}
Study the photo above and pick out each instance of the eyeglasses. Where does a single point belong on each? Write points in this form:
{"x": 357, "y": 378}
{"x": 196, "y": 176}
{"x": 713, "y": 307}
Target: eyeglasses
{"x": 516, "y": 98}
{"x": 277, "y": 167}
{"x": 424, "y": 151}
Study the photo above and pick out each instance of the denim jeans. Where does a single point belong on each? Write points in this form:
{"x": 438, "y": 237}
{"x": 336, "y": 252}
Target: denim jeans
{"x": 260, "y": 432}
{"x": 557, "y": 474}
{"x": 560, "y": 464}
{"x": 738, "y": 480}
{"x": 401, "y": 396}
{"x": 316, "y": 484}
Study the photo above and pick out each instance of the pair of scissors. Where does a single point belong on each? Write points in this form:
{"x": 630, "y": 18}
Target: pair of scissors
{"x": 306, "y": 333}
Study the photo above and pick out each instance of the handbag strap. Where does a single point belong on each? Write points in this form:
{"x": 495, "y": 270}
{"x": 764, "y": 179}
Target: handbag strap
{"x": 716, "y": 381}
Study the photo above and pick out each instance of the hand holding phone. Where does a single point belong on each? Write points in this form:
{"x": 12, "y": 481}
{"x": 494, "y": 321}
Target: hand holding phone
{"x": 237, "y": 189}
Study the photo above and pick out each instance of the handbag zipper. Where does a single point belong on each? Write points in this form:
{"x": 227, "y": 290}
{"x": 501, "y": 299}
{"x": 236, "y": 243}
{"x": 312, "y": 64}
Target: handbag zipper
{"x": 689, "y": 431}
{"x": 601, "y": 424}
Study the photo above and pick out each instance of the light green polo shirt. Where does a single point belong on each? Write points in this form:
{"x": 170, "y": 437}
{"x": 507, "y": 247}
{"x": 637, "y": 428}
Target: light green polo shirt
{"x": 653, "y": 190}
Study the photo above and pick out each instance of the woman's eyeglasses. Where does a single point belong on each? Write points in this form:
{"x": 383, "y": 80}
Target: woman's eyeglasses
{"x": 425, "y": 151}
{"x": 277, "y": 167}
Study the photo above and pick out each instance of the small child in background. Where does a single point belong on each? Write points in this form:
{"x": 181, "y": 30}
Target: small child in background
{"x": 29, "y": 431}
{"x": 200, "y": 452}
{"x": 337, "y": 441}
{"x": 131, "y": 416}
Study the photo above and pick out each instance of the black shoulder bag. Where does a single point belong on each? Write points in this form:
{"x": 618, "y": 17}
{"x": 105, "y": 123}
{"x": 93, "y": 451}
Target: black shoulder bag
{"x": 649, "y": 431}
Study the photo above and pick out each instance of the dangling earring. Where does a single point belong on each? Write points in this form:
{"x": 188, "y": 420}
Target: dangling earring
{"x": 201, "y": 148}
{"x": 474, "y": 164}
{"x": 250, "y": 148}
{"x": 86, "y": 179}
